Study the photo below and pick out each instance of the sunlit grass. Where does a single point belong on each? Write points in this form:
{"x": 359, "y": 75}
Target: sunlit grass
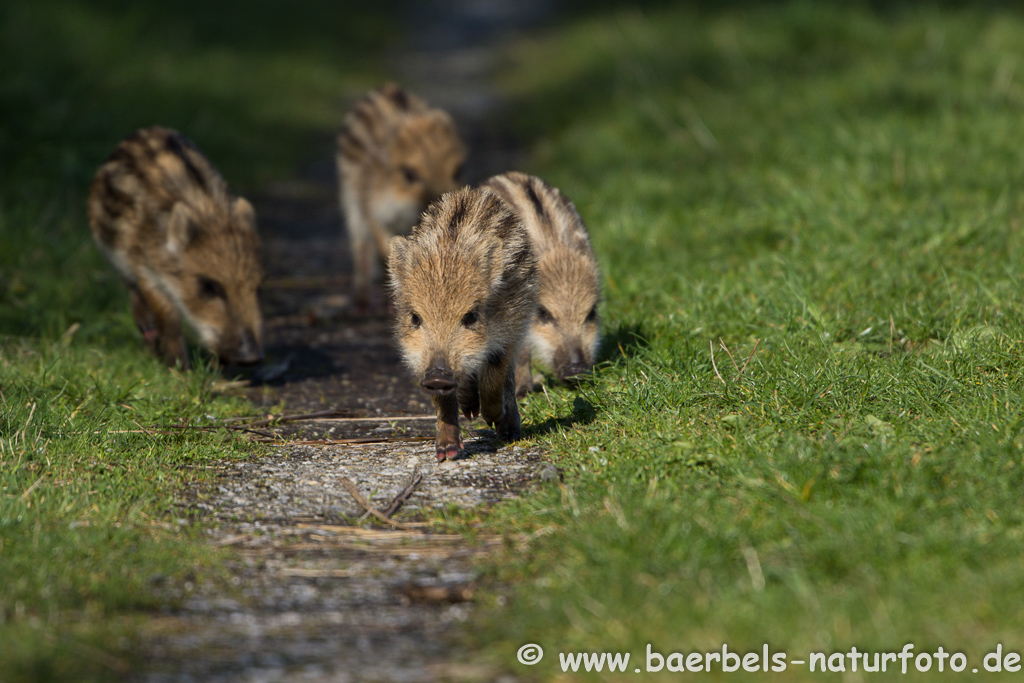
{"x": 807, "y": 430}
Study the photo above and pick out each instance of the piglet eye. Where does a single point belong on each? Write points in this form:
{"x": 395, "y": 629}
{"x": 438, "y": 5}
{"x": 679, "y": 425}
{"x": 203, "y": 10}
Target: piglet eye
{"x": 470, "y": 319}
{"x": 415, "y": 320}
{"x": 592, "y": 316}
{"x": 211, "y": 289}
{"x": 544, "y": 315}
{"x": 410, "y": 175}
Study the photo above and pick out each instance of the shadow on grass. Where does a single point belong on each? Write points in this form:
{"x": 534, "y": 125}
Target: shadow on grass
{"x": 625, "y": 341}
{"x": 583, "y": 412}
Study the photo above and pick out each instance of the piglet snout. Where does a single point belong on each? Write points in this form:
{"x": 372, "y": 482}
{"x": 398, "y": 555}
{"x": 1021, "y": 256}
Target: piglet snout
{"x": 438, "y": 380}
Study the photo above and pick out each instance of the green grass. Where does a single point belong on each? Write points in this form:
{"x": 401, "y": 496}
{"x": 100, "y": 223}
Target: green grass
{"x": 97, "y": 439}
{"x": 825, "y": 191}
{"x": 87, "y": 488}
{"x": 832, "y": 195}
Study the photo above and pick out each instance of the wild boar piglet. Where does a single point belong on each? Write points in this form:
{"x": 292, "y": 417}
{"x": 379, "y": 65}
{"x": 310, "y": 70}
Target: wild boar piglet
{"x": 396, "y": 154}
{"x": 187, "y": 250}
{"x": 464, "y": 289}
{"x": 565, "y": 329}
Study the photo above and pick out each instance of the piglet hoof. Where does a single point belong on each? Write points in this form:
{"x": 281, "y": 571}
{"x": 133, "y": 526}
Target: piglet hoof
{"x": 510, "y": 435}
{"x": 469, "y": 401}
{"x": 447, "y": 452}
{"x": 509, "y": 430}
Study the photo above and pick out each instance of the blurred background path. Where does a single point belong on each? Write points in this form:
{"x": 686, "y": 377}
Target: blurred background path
{"x": 317, "y": 600}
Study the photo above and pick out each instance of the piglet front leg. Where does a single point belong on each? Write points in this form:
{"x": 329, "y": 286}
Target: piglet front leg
{"x": 441, "y": 385}
{"x": 498, "y": 398}
{"x": 449, "y": 440}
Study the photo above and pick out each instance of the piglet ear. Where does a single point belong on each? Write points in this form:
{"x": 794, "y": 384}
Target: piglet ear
{"x": 244, "y": 214}
{"x": 180, "y": 229}
{"x": 396, "y": 255}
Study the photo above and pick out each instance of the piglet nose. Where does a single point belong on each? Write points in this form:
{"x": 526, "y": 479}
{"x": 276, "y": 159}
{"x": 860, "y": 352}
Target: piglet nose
{"x": 574, "y": 365}
{"x": 438, "y": 380}
{"x": 249, "y": 351}
{"x": 574, "y": 370}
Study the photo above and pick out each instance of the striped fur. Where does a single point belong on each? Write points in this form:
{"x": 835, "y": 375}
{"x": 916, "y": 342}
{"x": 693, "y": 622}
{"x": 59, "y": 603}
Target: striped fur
{"x": 464, "y": 289}
{"x": 565, "y": 331}
{"x": 162, "y": 216}
{"x": 395, "y": 155}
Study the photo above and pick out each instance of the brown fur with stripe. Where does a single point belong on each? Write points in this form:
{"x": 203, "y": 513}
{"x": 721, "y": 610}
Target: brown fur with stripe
{"x": 464, "y": 289}
{"x": 396, "y": 155}
{"x": 565, "y": 332}
{"x": 187, "y": 250}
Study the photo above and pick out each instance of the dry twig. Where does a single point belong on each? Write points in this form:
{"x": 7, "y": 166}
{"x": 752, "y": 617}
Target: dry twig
{"x": 327, "y": 416}
{"x": 379, "y": 418}
{"x": 739, "y": 370}
{"x": 347, "y": 483}
{"x": 144, "y": 430}
{"x": 752, "y": 352}
{"x": 397, "y": 501}
{"x": 28, "y": 492}
{"x": 360, "y": 441}
{"x": 713, "y": 365}
{"x": 274, "y": 419}
{"x": 726, "y": 349}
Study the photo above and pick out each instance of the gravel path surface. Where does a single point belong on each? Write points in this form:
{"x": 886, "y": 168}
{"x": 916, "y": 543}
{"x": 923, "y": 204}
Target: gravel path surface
{"x": 313, "y": 597}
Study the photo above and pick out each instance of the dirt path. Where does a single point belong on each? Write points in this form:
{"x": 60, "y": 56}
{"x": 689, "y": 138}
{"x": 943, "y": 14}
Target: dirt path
{"x": 312, "y": 597}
